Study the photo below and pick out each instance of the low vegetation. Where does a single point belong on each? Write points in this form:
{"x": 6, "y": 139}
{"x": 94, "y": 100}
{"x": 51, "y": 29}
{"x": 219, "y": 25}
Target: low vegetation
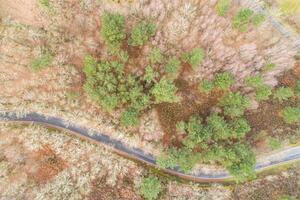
{"x": 43, "y": 61}
{"x": 141, "y": 33}
{"x": 291, "y": 114}
{"x": 283, "y": 93}
{"x": 262, "y": 91}
{"x": 194, "y": 57}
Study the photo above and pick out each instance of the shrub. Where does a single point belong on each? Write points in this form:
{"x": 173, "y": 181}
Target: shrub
{"x": 291, "y": 115}
{"x": 242, "y": 19}
{"x": 130, "y": 117}
{"x": 206, "y": 86}
{"x": 297, "y": 89}
{"x": 150, "y": 187}
{"x": 255, "y": 81}
{"x": 173, "y": 66}
{"x": 283, "y": 93}
{"x": 194, "y": 58}
{"x": 223, "y": 6}
{"x": 234, "y": 104}
{"x": 258, "y": 19}
{"x": 113, "y": 29}
{"x": 274, "y": 143}
{"x": 263, "y": 93}
{"x": 268, "y": 67}
{"x": 224, "y": 80}
{"x": 156, "y": 56}
{"x": 41, "y": 62}
{"x": 141, "y": 33}
{"x": 164, "y": 91}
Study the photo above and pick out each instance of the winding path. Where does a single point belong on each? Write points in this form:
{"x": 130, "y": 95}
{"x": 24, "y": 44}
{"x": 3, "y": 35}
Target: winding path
{"x": 284, "y": 156}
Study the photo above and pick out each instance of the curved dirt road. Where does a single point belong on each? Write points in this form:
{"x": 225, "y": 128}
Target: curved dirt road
{"x": 276, "y": 158}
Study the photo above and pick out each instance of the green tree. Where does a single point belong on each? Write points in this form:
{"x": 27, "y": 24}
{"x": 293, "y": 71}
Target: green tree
{"x": 223, "y": 7}
{"x": 150, "y": 75}
{"x": 156, "y": 56}
{"x": 291, "y": 114}
{"x": 141, "y": 33}
{"x": 224, "y": 80}
{"x": 255, "y": 81}
{"x": 164, "y": 91}
{"x": 206, "y": 86}
{"x": 297, "y": 89}
{"x": 239, "y": 127}
{"x": 130, "y": 117}
{"x": 194, "y": 58}
{"x": 258, "y": 19}
{"x": 283, "y": 93}
{"x": 113, "y": 29}
{"x": 263, "y": 93}
{"x": 150, "y": 188}
{"x": 172, "y": 67}
{"x": 234, "y": 104}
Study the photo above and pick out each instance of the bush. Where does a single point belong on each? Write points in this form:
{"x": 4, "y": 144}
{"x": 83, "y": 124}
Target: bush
{"x": 113, "y": 29}
{"x": 173, "y": 66}
{"x": 223, "y": 6}
{"x": 141, "y": 33}
{"x": 156, "y": 56}
{"x": 150, "y": 187}
{"x": 291, "y": 115}
{"x": 206, "y": 86}
{"x": 234, "y": 104}
{"x": 242, "y": 19}
{"x": 283, "y": 93}
{"x": 164, "y": 91}
{"x": 263, "y": 93}
{"x": 41, "y": 62}
{"x": 224, "y": 80}
{"x": 274, "y": 143}
{"x": 255, "y": 81}
{"x": 194, "y": 58}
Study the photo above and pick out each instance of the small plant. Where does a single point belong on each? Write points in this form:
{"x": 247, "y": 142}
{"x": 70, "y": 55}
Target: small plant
{"x": 173, "y": 66}
{"x": 291, "y": 115}
{"x": 224, "y": 80}
{"x": 223, "y": 6}
{"x": 156, "y": 56}
{"x": 274, "y": 143}
{"x": 141, "y": 33}
{"x": 268, "y": 67}
{"x": 41, "y": 62}
{"x": 113, "y": 29}
{"x": 150, "y": 188}
{"x": 234, "y": 104}
{"x": 45, "y": 4}
{"x": 263, "y": 93}
{"x": 164, "y": 91}
{"x": 258, "y": 19}
{"x": 194, "y": 58}
{"x": 242, "y": 19}
{"x": 283, "y": 93}
{"x": 287, "y": 197}
{"x": 206, "y": 86}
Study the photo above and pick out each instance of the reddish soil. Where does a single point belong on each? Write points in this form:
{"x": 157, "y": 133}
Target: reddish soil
{"x": 44, "y": 164}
